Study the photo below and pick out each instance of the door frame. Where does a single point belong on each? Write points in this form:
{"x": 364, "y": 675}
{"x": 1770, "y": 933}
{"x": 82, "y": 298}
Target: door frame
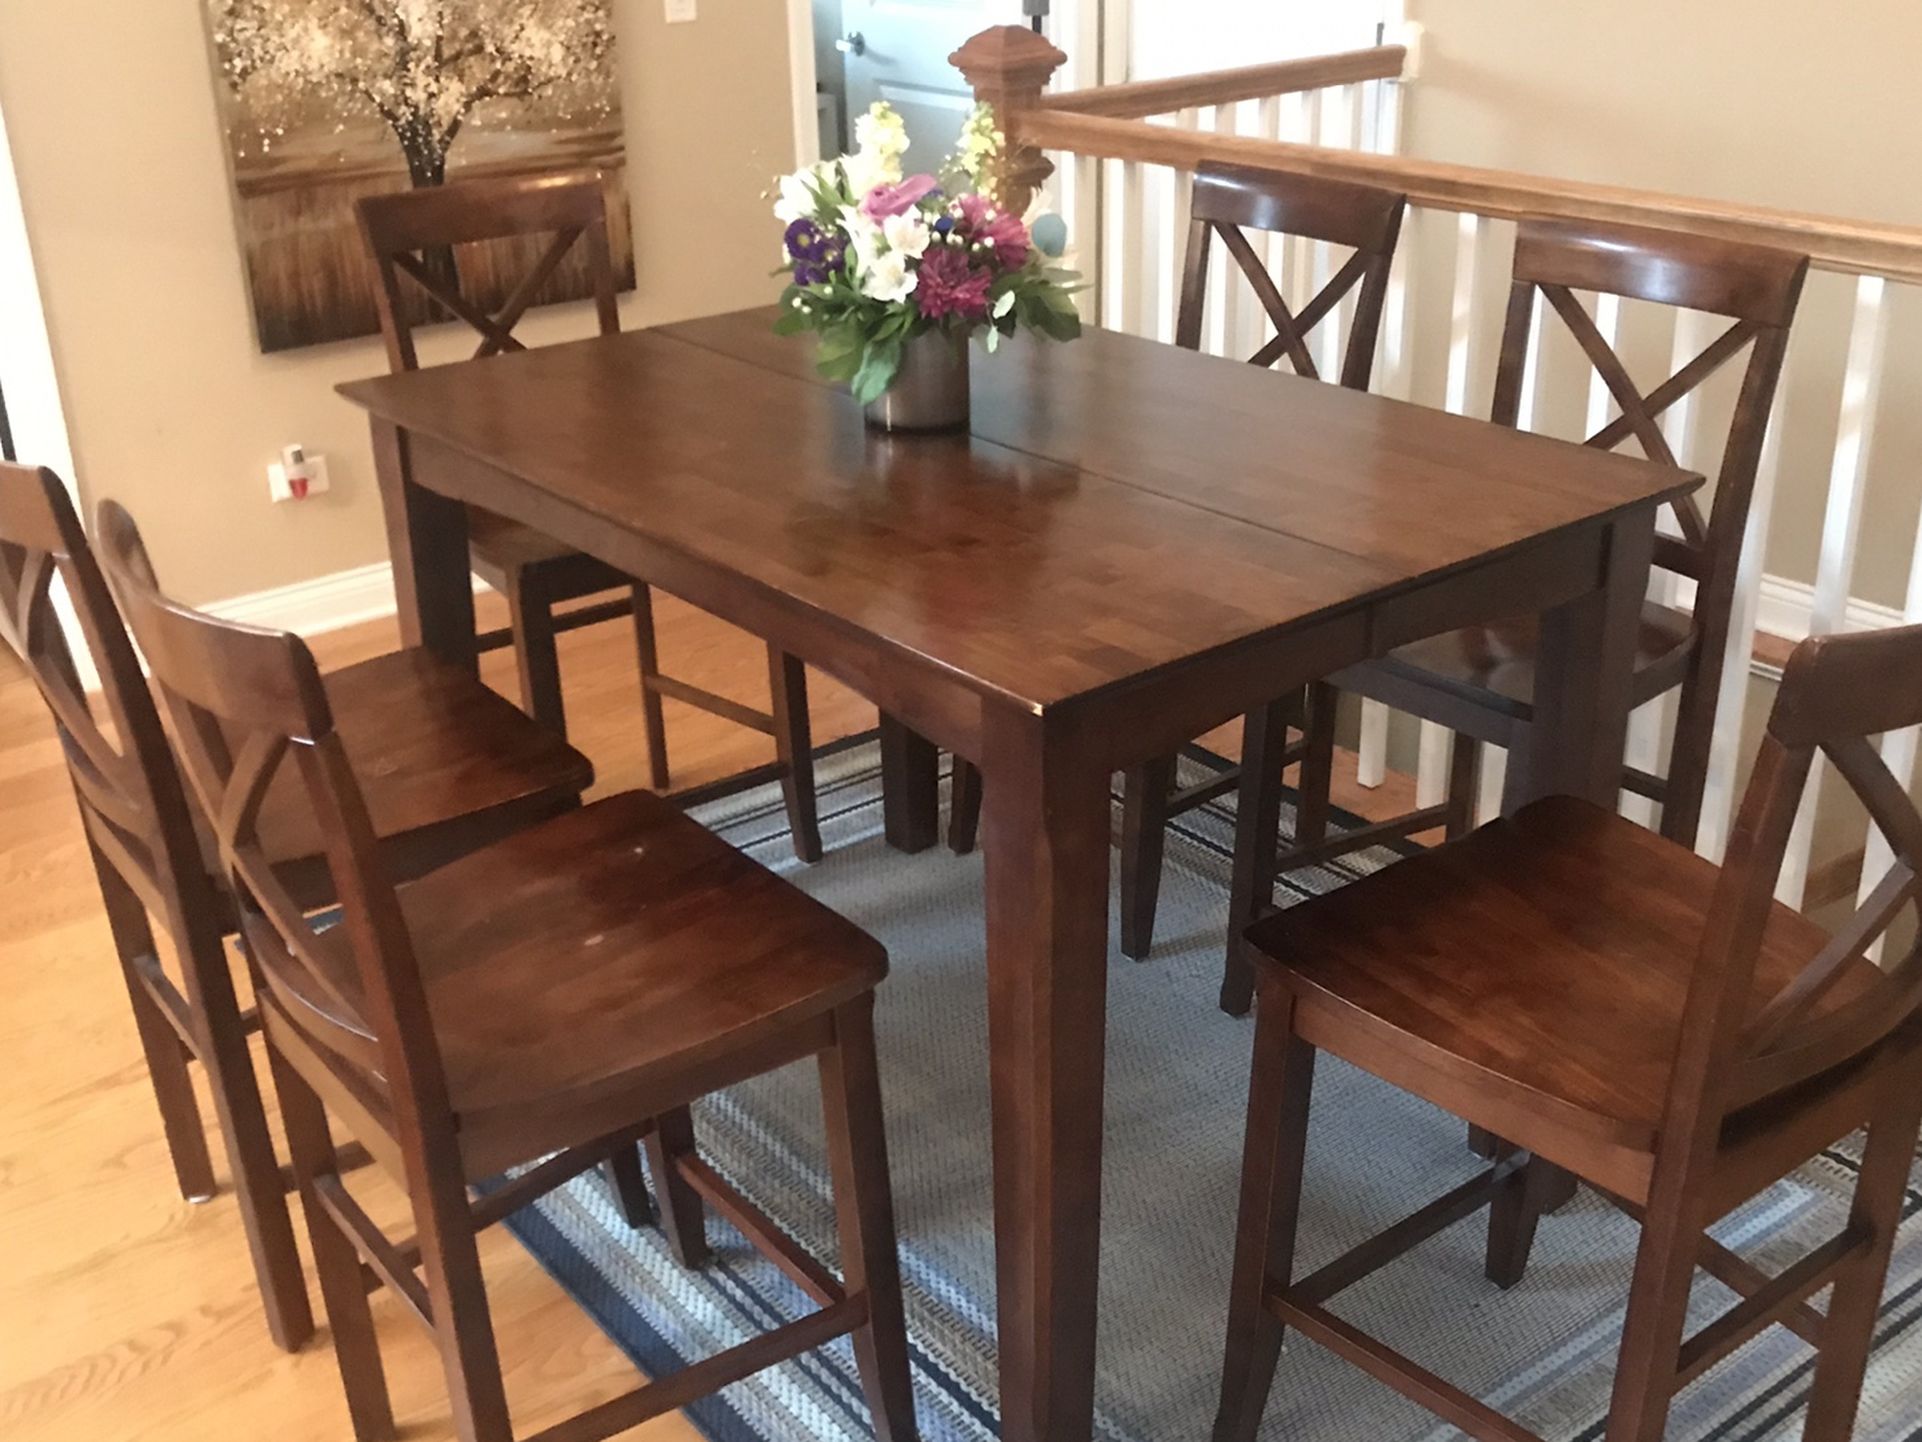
{"x": 1075, "y": 25}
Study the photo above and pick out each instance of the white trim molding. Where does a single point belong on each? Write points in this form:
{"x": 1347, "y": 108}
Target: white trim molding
{"x": 1787, "y": 609}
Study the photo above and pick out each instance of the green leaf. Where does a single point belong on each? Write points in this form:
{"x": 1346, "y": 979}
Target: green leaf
{"x": 879, "y": 366}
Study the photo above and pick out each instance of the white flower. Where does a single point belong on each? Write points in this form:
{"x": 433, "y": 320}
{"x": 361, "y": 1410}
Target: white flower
{"x": 799, "y": 194}
{"x": 888, "y": 279}
{"x": 867, "y": 170}
{"x": 882, "y": 134}
{"x": 908, "y": 234}
{"x": 865, "y": 238}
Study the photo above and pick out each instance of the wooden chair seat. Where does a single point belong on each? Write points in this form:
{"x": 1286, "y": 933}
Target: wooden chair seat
{"x": 1543, "y": 991}
{"x": 1494, "y": 666}
{"x": 448, "y": 764}
{"x": 689, "y": 951}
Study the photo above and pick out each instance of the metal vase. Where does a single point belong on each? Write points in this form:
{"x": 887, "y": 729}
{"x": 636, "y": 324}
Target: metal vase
{"x": 930, "y": 392}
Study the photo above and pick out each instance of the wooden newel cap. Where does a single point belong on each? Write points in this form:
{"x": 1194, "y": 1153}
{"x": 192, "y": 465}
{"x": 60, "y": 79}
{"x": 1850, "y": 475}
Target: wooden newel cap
{"x": 1007, "y": 57}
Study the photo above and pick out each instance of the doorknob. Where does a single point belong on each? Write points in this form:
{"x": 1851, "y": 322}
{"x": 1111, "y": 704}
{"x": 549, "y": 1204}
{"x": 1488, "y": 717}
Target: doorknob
{"x": 853, "y": 43}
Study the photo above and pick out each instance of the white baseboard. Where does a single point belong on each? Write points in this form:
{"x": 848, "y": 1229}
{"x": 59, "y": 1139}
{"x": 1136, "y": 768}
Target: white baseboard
{"x": 1786, "y": 608}
{"x": 312, "y": 608}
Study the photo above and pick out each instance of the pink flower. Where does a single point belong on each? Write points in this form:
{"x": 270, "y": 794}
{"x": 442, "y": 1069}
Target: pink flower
{"x": 950, "y": 286}
{"x": 1005, "y": 232}
{"x": 885, "y": 200}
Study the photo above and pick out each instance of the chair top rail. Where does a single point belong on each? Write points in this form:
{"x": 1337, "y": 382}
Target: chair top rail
{"x": 1857, "y": 247}
{"x": 1224, "y": 87}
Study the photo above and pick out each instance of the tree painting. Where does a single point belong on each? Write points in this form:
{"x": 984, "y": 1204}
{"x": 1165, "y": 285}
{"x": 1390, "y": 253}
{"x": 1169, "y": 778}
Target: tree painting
{"x": 328, "y": 100}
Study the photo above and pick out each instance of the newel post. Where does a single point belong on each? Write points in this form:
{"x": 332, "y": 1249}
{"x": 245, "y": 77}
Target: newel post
{"x": 1009, "y": 67}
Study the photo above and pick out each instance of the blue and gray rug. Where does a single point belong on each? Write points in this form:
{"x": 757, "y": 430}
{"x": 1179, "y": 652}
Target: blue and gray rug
{"x": 1177, "y": 1078}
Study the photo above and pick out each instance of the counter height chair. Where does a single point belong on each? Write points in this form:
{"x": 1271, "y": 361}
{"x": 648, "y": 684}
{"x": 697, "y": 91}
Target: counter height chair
{"x": 451, "y": 766}
{"x": 1621, "y": 1008}
{"x": 527, "y": 1011}
{"x": 413, "y": 234}
{"x": 1479, "y": 682}
{"x": 1228, "y": 202}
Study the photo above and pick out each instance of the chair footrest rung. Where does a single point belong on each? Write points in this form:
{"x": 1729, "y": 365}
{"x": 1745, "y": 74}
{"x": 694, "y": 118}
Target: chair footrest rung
{"x": 1383, "y": 1363}
{"x": 1410, "y": 1232}
{"x": 678, "y": 1389}
{"x": 702, "y": 699}
{"x": 762, "y": 1233}
{"x": 1773, "y": 1302}
{"x": 1377, "y": 833}
{"x": 1202, "y": 792}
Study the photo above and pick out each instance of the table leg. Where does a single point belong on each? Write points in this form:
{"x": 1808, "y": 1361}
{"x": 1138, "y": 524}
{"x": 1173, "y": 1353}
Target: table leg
{"x": 1574, "y": 748}
{"x": 427, "y": 539}
{"x": 910, "y": 787}
{"x": 1046, "y": 842}
{"x": 1583, "y": 676}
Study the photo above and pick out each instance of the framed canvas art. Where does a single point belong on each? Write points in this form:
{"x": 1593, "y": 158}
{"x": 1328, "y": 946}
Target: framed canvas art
{"x": 324, "y": 101}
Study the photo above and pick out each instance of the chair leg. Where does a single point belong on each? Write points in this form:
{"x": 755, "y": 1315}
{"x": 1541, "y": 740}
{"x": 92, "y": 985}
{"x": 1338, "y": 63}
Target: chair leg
{"x": 463, "y": 1321}
{"x": 1464, "y": 780}
{"x": 964, "y": 806}
{"x": 864, "y": 1207}
{"x": 630, "y": 1187}
{"x": 258, "y": 1189}
{"x": 1317, "y": 766}
{"x": 531, "y": 615}
{"x": 682, "y": 1216}
{"x": 653, "y": 719}
{"x": 1264, "y": 734}
{"x": 1514, "y": 1216}
{"x": 1645, "y": 1371}
{"x": 168, "y": 1060}
{"x": 1144, "y": 833}
{"x": 349, "y": 1317}
{"x": 794, "y": 747}
{"x": 1853, "y": 1304}
{"x": 1278, "y": 1097}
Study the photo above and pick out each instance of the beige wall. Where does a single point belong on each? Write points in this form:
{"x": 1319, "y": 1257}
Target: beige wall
{"x": 1775, "y": 102}
{"x": 110, "y": 110}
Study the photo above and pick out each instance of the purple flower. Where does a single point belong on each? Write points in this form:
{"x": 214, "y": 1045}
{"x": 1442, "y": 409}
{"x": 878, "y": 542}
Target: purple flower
{"x": 885, "y": 200}
{"x": 816, "y": 254}
{"x": 950, "y": 286}
{"x": 1005, "y": 232}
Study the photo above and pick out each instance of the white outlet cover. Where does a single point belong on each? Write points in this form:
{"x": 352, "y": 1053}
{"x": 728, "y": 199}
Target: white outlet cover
{"x": 681, "y": 11}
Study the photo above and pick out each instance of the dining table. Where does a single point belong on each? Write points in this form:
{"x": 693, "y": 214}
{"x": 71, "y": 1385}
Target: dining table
{"x": 1128, "y": 544}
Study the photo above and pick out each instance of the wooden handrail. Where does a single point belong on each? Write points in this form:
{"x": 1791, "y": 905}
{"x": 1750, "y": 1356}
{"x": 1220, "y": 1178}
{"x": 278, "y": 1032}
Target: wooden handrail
{"x": 1225, "y": 87}
{"x": 1857, "y": 247}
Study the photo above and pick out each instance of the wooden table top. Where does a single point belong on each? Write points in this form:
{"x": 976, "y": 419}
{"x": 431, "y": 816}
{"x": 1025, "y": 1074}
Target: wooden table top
{"x": 1119, "y": 505}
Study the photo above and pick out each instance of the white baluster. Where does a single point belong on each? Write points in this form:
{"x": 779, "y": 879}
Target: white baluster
{"x": 1431, "y": 774}
{"x": 1841, "y": 529}
{"x": 1125, "y": 305}
{"x": 1331, "y": 122}
{"x": 1170, "y": 200}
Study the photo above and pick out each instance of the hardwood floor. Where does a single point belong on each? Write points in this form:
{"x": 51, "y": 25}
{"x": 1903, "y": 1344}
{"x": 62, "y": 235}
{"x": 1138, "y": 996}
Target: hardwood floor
{"x": 125, "y": 1313}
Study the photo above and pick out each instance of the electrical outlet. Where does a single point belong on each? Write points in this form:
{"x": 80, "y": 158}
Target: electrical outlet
{"x": 679, "y": 12}
{"x": 297, "y": 476}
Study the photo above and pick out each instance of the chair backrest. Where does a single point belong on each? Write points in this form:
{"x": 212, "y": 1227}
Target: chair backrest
{"x": 1837, "y": 692}
{"x": 129, "y": 791}
{"x": 1229, "y": 199}
{"x": 413, "y": 233}
{"x": 1755, "y": 287}
{"x": 242, "y": 701}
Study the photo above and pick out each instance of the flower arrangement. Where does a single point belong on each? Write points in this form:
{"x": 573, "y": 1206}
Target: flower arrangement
{"x": 877, "y": 257}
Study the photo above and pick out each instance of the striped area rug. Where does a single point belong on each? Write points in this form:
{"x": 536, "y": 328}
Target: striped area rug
{"x": 1177, "y": 1074}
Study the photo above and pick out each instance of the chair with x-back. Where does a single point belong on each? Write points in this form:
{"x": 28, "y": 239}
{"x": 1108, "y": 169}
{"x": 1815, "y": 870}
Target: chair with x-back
{"x": 1663, "y": 1028}
{"x": 414, "y": 236}
{"x": 1479, "y": 682}
{"x": 457, "y": 767}
{"x": 1230, "y": 201}
{"x": 525, "y": 1011}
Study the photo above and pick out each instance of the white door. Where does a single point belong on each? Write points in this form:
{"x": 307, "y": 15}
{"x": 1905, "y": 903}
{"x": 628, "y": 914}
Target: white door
{"x": 897, "y": 51}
